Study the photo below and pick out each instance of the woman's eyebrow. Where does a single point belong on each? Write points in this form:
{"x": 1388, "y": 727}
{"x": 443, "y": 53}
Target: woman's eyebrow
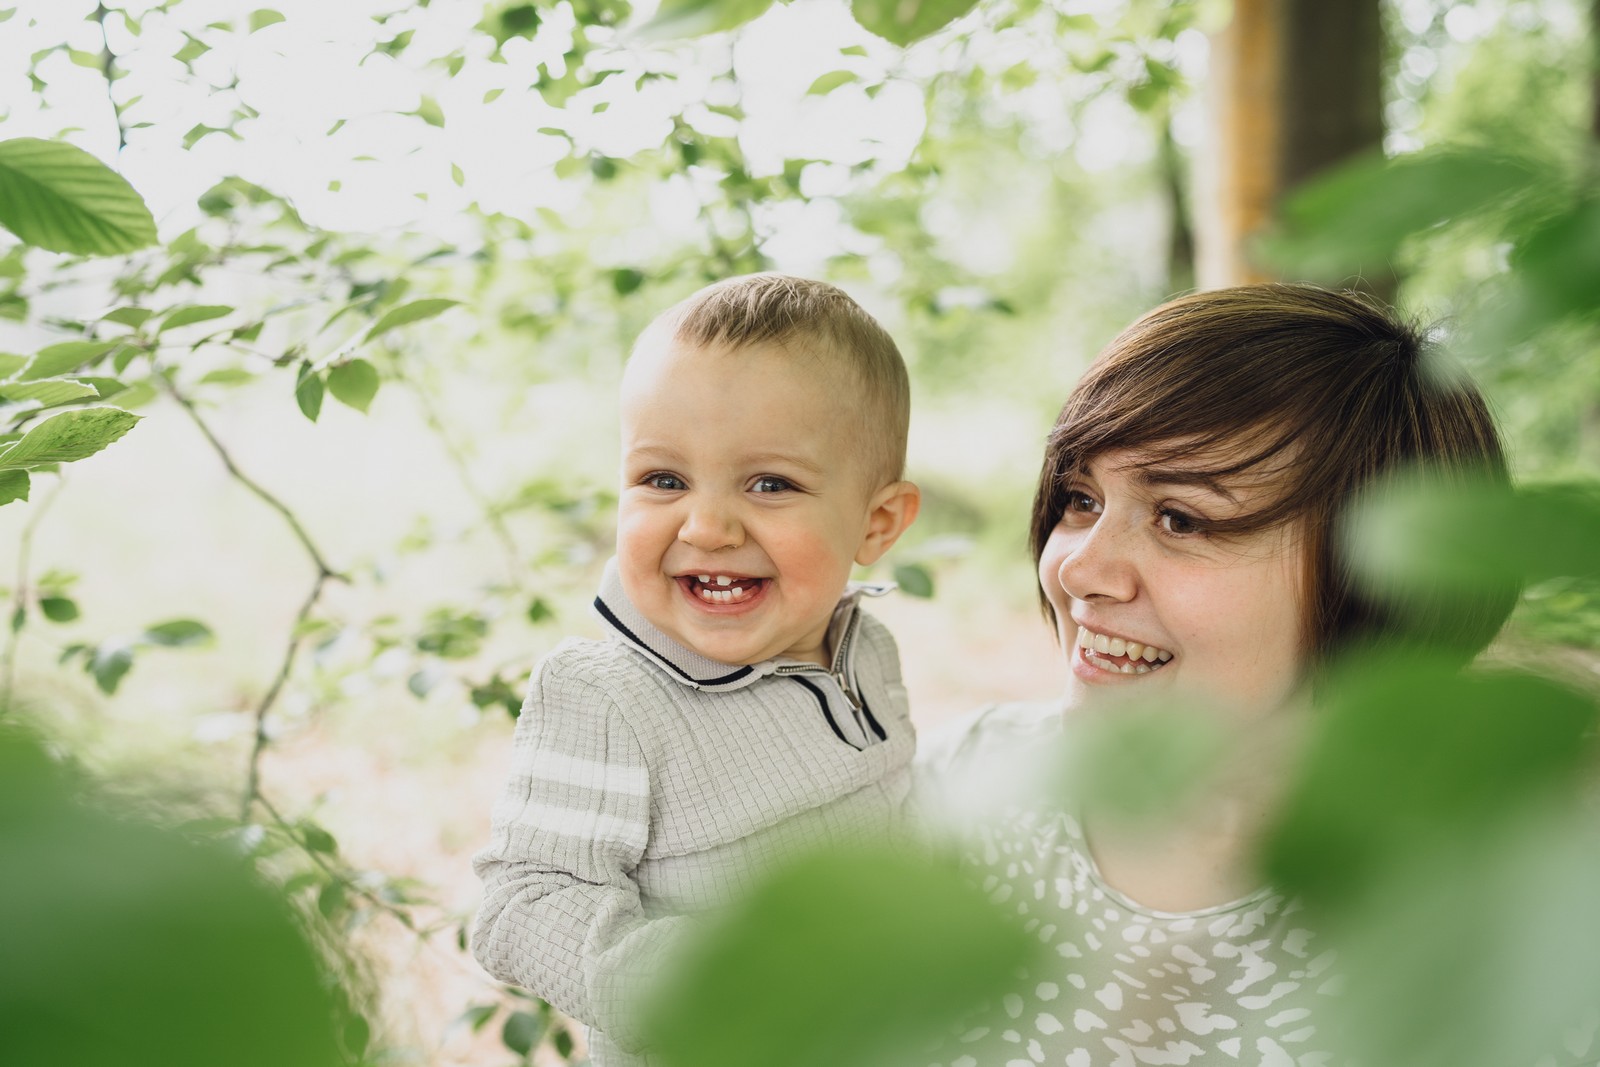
{"x": 1151, "y": 477}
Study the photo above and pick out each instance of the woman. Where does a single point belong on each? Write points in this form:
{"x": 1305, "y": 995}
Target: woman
{"x": 1185, "y": 532}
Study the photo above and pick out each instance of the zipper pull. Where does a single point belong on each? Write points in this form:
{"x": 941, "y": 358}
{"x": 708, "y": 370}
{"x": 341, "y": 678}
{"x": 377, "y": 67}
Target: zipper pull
{"x": 849, "y": 694}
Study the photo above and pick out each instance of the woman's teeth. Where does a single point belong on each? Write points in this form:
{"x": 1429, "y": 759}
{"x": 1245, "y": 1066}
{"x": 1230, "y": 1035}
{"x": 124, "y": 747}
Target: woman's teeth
{"x": 1104, "y": 652}
{"x": 727, "y": 590}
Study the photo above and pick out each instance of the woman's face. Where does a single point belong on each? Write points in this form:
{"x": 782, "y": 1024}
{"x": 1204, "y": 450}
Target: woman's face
{"x": 1150, "y": 605}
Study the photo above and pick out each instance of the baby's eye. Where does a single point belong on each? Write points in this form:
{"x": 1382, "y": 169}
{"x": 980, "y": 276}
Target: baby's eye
{"x": 663, "y": 480}
{"x": 1176, "y": 522}
{"x": 771, "y": 483}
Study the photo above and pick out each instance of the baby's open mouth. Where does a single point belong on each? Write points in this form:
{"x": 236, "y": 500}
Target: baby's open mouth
{"x": 1117, "y": 654}
{"x": 721, "y": 588}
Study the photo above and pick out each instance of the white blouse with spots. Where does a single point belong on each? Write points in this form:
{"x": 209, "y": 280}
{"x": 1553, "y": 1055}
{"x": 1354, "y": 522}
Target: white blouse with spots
{"x": 1125, "y": 985}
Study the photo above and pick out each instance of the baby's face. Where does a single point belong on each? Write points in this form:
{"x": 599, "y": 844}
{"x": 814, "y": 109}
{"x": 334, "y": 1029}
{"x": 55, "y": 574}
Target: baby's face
{"x": 744, "y": 502}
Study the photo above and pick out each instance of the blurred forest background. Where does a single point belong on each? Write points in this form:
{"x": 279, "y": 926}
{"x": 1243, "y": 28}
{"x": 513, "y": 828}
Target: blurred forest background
{"x": 310, "y": 422}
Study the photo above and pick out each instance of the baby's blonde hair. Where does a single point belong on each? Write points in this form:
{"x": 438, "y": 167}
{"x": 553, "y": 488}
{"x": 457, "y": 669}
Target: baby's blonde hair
{"x": 780, "y": 309}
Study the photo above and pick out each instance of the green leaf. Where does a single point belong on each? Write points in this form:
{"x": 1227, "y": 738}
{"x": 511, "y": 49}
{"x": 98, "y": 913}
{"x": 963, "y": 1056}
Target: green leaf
{"x": 308, "y": 392}
{"x": 64, "y": 358}
{"x": 355, "y": 383}
{"x": 264, "y": 17}
{"x": 457, "y": 175}
{"x": 316, "y": 839}
{"x": 179, "y": 633}
{"x": 429, "y": 111}
{"x": 692, "y": 18}
{"x": 830, "y": 81}
{"x": 904, "y": 21}
{"x": 853, "y": 50}
{"x": 108, "y": 665}
{"x": 128, "y": 316}
{"x": 477, "y": 1016}
{"x": 192, "y": 50}
{"x": 1356, "y": 216}
{"x": 10, "y": 363}
{"x": 405, "y": 314}
{"x": 625, "y": 280}
{"x": 186, "y": 316}
{"x": 58, "y": 608}
{"x": 540, "y": 611}
{"x": 227, "y": 376}
{"x": 69, "y": 436}
{"x": 331, "y": 901}
{"x": 59, "y": 197}
{"x": 14, "y": 485}
{"x": 763, "y": 983}
{"x": 914, "y": 579}
{"x": 521, "y": 1032}
{"x": 47, "y": 393}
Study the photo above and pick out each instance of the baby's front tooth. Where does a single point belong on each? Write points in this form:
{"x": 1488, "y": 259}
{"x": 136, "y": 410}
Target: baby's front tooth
{"x": 723, "y": 579}
{"x": 704, "y": 578}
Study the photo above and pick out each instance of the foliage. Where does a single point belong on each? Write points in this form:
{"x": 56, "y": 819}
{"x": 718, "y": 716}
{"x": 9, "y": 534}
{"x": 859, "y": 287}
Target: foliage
{"x": 994, "y": 188}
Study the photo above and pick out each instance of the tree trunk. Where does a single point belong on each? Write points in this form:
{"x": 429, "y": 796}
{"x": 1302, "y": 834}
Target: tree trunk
{"x": 1295, "y": 87}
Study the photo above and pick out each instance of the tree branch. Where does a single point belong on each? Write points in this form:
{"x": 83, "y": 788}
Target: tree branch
{"x": 252, "y": 787}
{"x": 19, "y": 596}
{"x": 323, "y": 569}
{"x": 108, "y": 69}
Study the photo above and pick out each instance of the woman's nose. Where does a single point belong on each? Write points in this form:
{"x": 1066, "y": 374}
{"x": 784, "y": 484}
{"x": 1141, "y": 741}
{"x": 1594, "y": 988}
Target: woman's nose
{"x": 1099, "y": 566}
{"x": 711, "y": 525}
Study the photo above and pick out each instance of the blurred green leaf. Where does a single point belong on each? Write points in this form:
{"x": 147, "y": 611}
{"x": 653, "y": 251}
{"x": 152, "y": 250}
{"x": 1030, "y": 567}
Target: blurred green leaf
{"x": 522, "y": 1032}
{"x": 178, "y": 633}
{"x": 58, "y": 608}
{"x": 778, "y": 980}
{"x": 59, "y": 197}
{"x": 108, "y": 664}
{"x": 186, "y": 316}
{"x": 914, "y": 579}
{"x": 62, "y": 358}
{"x": 1141, "y": 763}
{"x": 14, "y": 485}
{"x": 625, "y": 280}
{"x": 316, "y": 839}
{"x": 354, "y": 383}
{"x": 1409, "y": 753}
{"x": 693, "y": 18}
{"x": 904, "y": 21}
{"x": 48, "y": 392}
{"x": 406, "y": 314}
{"x": 69, "y": 436}
{"x": 128, "y": 316}
{"x": 830, "y": 81}
{"x": 1355, "y": 217}
{"x": 143, "y": 969}
{"x": 261, "y": 18}
{"x": 308, "y": 391}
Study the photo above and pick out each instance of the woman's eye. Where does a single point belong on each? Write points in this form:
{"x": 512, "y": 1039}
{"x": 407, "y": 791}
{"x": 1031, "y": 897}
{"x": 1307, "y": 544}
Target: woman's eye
{"x": 1082, "y": 503}
{"x": 770, "y": 483}
{"x": 664, "y": 481}
{"x": 1177, "y": 522}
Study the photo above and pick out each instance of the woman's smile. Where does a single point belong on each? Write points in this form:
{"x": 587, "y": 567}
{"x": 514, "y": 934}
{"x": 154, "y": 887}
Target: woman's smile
{"x": 1118, "y": 655}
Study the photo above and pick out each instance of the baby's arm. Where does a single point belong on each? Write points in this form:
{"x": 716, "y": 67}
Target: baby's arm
{"x": 561, "y": 914}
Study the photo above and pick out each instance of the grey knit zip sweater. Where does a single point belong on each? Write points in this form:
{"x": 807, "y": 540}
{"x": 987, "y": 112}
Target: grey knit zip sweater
{"x": 648, "y": 783}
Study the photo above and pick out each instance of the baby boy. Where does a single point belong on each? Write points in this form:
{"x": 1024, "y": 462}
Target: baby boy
{"x": 741, "y": 705}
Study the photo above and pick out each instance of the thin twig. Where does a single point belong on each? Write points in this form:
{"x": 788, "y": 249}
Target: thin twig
{"x": 19, "y": 596}
{"x": 108, "y": 69}
{"x": 323, "y": 570}
{"x": 362, "y": 891}
{"x": 252, "y": 788}
{"x": 458, "y": 459}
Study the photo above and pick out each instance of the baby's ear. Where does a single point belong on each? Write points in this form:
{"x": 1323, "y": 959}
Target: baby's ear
{"x": 889, "y": 512}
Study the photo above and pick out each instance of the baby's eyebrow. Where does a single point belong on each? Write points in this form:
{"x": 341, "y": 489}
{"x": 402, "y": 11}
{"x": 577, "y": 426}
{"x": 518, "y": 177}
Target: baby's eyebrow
{"x": 1158, "y": 476}
{"x": 794, "y": 459}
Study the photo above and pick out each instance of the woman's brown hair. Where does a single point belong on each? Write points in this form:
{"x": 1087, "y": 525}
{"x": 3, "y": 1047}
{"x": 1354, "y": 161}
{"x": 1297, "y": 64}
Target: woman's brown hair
{"x": 1318, "y": 391}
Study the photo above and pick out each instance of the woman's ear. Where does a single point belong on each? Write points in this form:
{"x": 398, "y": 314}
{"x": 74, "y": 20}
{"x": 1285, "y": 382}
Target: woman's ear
{"x": 889, "y": 512}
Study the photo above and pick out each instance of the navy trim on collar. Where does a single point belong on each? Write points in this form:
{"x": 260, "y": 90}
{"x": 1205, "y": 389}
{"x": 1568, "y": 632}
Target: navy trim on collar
{"x": 633, "y": 638}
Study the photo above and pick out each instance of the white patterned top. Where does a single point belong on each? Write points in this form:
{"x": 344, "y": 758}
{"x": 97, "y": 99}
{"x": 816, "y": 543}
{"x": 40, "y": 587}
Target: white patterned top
{"x": 1126, "y": 985}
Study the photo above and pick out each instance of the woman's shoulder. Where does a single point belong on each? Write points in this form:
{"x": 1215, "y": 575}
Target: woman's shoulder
{"x": 988, "y": 732}
{"x": 969, "y": 768}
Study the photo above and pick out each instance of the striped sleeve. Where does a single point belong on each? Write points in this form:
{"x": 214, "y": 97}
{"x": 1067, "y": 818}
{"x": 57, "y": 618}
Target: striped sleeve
{"x": 561, "y": 914}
